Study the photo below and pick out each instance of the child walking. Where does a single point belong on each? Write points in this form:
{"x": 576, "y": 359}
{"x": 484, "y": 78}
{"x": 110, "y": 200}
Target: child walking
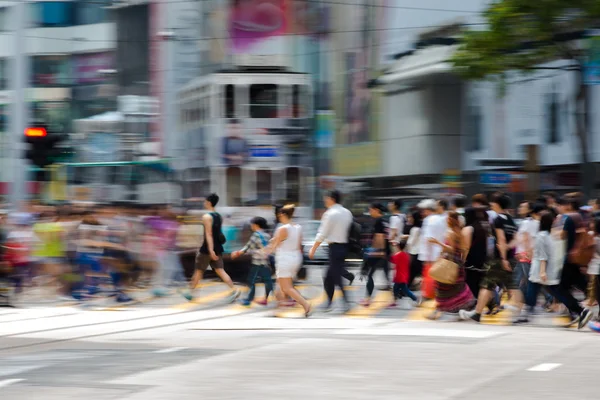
{"x": 401, "y": 260}
{"x": 260, "y": 262}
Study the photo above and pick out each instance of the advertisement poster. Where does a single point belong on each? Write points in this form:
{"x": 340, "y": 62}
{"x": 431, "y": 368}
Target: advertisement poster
{"x": 258, "y": 27}
{"x": 592, "y": 68}
{"x": 234, "y": 146}
{"x": 357, "y": 150}
{"x": 87, "y": 67}
{"x": 325, "y": 129}
{"x": 51, "y": 70}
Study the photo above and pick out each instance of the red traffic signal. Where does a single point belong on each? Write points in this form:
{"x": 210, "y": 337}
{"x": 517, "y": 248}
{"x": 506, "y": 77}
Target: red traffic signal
{"x": 36, "y": 132}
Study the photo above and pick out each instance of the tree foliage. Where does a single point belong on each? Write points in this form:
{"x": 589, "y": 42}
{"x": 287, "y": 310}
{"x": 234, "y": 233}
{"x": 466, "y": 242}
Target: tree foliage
{"x": 523, "y": 34}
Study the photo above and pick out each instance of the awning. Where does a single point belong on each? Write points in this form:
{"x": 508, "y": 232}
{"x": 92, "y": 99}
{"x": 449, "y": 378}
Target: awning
{"x": 429, "y": 61}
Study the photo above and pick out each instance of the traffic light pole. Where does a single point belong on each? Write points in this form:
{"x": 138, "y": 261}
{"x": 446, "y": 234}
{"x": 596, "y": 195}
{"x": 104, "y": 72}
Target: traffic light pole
{"x": 18, "y": 118}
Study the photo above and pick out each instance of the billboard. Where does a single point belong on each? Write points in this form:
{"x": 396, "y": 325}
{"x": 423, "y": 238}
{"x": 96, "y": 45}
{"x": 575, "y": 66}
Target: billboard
{"x": 87, "y": 67}
{"x": 258, "y": 27}
{"x": 592, "y": 67}
{"x": 357, "y": 150}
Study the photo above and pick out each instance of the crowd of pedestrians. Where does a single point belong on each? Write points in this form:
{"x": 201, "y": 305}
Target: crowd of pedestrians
{"x": 51, "y": 254}
{"x": 468, "y": 258}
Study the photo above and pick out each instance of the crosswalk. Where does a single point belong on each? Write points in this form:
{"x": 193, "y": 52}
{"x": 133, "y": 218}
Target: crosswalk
{"x": 216, "y": 295}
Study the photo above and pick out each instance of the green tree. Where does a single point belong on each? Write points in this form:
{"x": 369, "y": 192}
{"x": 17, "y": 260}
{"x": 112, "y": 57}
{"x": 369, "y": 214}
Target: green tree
{"x": 524, "y": 35}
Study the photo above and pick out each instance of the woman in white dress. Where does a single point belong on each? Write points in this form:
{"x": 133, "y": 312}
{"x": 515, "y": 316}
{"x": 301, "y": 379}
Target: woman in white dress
{"x": 287, "y": 245}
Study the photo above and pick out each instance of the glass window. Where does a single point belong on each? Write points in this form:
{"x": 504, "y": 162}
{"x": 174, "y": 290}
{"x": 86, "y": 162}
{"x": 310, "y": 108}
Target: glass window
{"x": 3, "y": 119}
{"x": 474, "y": 128}
{"x": 51, "y": 70}
{"x": 3, "y": 74}
{"x": 56, "y": 114}
{"x": 263, "y": 101}
{"x": 91, "y": 12}
{"x": 300, "y": 100}
{"x": 229, "y": 101}
{"x": 293, "y": 185}
{"x": 4, "y": 19}
{"x": 264, "y": 184}
{"x": 53, "y": 13}
{"x": 234, "y": 186}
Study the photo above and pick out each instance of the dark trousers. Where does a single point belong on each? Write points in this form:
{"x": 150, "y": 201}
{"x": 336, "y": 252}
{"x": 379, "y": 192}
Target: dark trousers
{"x": 401, "y": 289}
{"x": 337, "y": 268}
{"x": 264, "y": 273}
{"x": 416, "y": 268}
{"x": 571, "y": 277}
{"x": 473, "y": 278}
{"x": 374, "y": 263}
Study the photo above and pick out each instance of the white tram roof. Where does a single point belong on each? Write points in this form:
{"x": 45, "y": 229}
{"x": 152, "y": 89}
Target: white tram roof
{"x": 249, "y": 76}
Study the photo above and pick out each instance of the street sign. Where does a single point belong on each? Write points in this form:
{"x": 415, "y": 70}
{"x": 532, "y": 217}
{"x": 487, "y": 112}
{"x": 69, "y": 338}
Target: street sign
{"x": 496, "y": 179}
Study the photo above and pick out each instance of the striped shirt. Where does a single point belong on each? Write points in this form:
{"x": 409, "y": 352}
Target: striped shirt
{"x": 256, "y": 243}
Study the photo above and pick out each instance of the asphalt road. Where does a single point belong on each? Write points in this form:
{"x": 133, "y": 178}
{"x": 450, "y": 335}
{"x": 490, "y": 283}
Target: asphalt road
{"x": 211, "y": 349}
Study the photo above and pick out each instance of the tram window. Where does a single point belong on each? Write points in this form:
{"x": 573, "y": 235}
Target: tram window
{"x": 75, "y": 176}
{"x": 234, "y": 186}
{"x": 300, "y": 100}
{"x": 229, "y": 101}
{"x": 263, "y": 101}
{"x": 293, "y": 185}
{"x": 264, "y": 189}
{"x": 112, "y": 175}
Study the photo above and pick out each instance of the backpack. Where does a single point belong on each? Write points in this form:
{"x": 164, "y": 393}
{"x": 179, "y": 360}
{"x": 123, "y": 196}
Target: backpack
{"x": 354, "y": 238}
{"x": 217, "y": 217}
{"x": 584, "y": 248}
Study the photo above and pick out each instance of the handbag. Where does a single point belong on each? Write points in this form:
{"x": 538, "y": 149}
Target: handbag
{"x": 444, "y": 271}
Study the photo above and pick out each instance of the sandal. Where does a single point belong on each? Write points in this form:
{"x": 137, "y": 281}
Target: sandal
{"x": 308, "y": 312}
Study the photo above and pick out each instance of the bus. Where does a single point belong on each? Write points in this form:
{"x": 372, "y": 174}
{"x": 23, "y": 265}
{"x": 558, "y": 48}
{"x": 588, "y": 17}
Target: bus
{"x": 121, "y": 182}
{"x": 247, "y": 136}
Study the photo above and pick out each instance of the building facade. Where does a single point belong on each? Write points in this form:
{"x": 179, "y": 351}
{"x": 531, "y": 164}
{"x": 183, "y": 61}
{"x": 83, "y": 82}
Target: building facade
{"x": 68, "y": 44}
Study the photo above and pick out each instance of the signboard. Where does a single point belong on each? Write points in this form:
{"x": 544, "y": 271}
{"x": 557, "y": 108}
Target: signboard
{"x": 496, "y": 179}
{"x": 451, "y": 178}
{"x": 264, "y": 151}
{"x": 592, "y": 67}
{"x": 88, "y": 67}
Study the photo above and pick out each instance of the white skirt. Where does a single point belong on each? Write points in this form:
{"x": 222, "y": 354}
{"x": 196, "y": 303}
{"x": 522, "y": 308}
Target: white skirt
{"x": 287, "y": 263}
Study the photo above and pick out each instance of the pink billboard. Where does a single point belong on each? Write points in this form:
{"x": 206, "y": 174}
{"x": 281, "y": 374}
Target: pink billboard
{"x": 257, "y": 27}
{"x": 87, "y": 67}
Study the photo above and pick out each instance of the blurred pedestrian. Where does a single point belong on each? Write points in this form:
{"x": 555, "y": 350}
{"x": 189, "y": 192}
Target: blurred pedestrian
{"x": 401, "y": 261}
{"x": 335, "y": 229}
{"x": 453, "y": 297}
{"x": 211, "y": 251}
{"x": 260, "y": 261}
{"x": 287, "y": 245}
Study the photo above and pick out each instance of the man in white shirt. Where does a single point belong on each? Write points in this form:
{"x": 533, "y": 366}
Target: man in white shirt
{"x": 335, "y": 228}
{"x": 397, "y": 221}
{"x": 426, "y": 253}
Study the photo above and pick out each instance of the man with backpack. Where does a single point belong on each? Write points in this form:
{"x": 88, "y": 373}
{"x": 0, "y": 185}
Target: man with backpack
{"x": 211, "y": 251}
{"x": 579, "y": 253}
{"x": 336, "y": 226}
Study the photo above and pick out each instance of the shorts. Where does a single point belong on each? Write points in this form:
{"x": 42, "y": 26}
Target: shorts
{"x": 203, "y": 261}
{"x": 521, "y": 275}
{"x": 498, "y": 276}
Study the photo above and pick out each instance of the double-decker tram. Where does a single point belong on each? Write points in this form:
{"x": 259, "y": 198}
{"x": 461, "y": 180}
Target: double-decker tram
{"x": 247, "y": 137}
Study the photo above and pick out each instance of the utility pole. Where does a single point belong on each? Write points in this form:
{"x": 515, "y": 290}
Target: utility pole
{"x": 18, "y": 118}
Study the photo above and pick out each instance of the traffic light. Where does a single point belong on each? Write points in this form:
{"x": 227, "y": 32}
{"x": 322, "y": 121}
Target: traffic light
{"x": 42, "y": 145}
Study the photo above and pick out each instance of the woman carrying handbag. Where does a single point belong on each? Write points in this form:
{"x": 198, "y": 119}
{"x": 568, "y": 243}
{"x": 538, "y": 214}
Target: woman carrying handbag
{"x": 451, "y": 292}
